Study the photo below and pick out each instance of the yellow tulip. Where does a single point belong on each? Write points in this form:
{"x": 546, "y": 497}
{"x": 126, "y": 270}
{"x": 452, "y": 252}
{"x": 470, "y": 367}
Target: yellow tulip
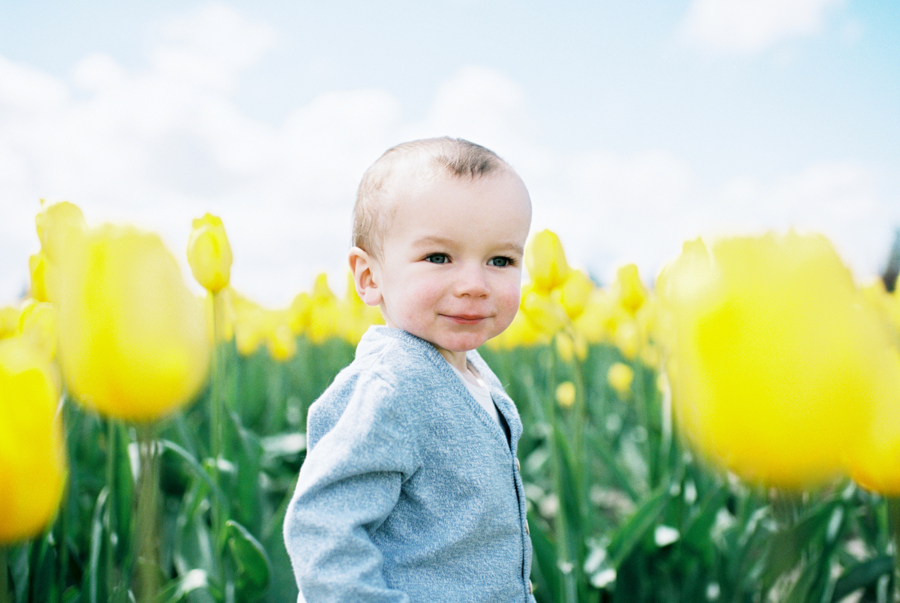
{"x": 546, "y": 261}
{"x": 249, "y": 329}
{"x": 60, "y": 228}
{"x": 629, "y": 289}
{"x": 597, "y": 323}
{"x": 209, "y": 253}
{"x": 777, "y": 367}
{"x": 620, "y": 377}
{"x": 37, "y": 322}
{"x": 324, "y": 314}
{"x": 57, "y": 225}
{"x": 629, "y": 338}
{"x": 565, "y": 394}
{"x": 133, "y": 340}
{"x": 874, "y": 463}
{"x": 299, "y": 313}
{"x": 32, "y": 453}
{"x": 544, "y": 312}
{"x": 575, "y": 293}
{"x": 570, "y": 347}
{"x": 9, "y": 321}
{"x": 37, "y": 267}
{"x": 521, "y": 332}
{"x": 281, "y": 341}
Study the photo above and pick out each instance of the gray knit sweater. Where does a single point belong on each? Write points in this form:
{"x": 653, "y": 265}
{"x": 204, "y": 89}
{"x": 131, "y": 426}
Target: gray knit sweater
{"x": 410, "y": 491}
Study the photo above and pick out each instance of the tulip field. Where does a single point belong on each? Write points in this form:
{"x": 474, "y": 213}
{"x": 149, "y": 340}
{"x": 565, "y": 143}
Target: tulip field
{"x": 728, "y": 431}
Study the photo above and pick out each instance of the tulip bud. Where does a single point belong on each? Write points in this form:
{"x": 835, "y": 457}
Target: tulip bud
{"x": 209, "y": 253}
{"x": 546, "y": 261}
{"x": 60, "y": 228}
{"x": 629, "y": 290}
{"x": 32, "y": 452}
{"x": 565, "y": 394}
{"x": 620, "y": 377}
{"x": 575, "y": 293}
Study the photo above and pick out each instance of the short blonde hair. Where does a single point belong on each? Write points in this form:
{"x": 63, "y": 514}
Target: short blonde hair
{"x": 418, "y": 160}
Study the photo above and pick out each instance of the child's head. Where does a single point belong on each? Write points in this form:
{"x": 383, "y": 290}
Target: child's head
{"x": 439, "y": 231}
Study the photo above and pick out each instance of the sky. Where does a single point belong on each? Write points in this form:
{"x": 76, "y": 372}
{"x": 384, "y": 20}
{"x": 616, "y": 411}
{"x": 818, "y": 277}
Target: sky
{"x": 635, "y": 125}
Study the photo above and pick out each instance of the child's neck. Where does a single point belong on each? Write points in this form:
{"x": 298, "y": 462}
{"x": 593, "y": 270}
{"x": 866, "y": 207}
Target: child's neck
{"x": 458, "y": 361}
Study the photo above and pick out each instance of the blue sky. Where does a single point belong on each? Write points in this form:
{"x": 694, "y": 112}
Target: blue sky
{"x": 636, "y": 126}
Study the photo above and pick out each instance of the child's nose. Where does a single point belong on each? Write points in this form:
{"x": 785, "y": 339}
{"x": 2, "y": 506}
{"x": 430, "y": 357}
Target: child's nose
{"x": 472, "y": 282}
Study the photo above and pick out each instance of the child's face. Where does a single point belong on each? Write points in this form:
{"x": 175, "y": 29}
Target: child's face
{"x": 451, "y": 263}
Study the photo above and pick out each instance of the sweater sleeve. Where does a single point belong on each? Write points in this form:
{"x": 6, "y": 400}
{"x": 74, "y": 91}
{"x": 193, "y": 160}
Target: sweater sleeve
{"x": 348, "y": 485}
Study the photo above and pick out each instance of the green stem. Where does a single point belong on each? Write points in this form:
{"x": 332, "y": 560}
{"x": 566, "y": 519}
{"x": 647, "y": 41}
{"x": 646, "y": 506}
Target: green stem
{"x": 893, "y": 505}
{"x": 61, "y": 539}
{"x": 216, "y": 433}
{"x": 146, "y": 542}
{"x": 111, "y": 515}
{"x": 4, "y": 577}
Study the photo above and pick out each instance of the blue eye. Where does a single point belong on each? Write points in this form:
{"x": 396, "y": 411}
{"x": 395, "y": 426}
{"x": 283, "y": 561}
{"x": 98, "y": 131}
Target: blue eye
{"x": 437, "y": 258}
{"x": 501, "y": 262}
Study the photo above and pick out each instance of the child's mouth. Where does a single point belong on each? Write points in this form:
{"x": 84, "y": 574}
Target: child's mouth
{"x": 465, "y": 319}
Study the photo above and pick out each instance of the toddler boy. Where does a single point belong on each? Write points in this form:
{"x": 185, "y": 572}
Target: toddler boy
{"x": 410, "y": 490}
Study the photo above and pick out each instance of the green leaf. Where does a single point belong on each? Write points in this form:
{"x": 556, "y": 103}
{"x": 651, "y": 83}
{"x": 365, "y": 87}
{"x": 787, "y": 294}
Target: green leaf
{"x": 638, "y": 525}
{"x": 696, "y": 533}
{"x": 862, "y": 575}
{"x": 786, "y": 547}
{"x": 544, "y": 569}
{"x": 253, "y": 567}
{"x": 190, "y": 583}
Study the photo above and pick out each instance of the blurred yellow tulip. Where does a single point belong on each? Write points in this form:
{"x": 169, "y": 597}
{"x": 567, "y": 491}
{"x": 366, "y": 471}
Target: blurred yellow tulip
{"x": 324, "y": 314}
{"x": 209, "y": 253}
{"x": 620, "y": 377}
{"x": 300, "y": 311}
{"x": 37, "y": 267}
{"x": 133, "y": 340}
{"x": 60, "y": 228}
{"x": 597, "y": 323}
{"x": 544, "y": 312}
{"x": 874, "y": 463}
{"x": 9, "y": 321}
{"x": 546, "y": 261}
{"x": 249, "y": 329}
{"x": 629, "y": 289}
{"x": 571, "y": 347}
{"x": 575, "y": 293}
{"x": 281, "y": 341}
{"x": 777, "y": 367}
{"x": 37, "y": 322}
{"x": 521, "y": 332}
{"x": 32, "y": 452}
{"x": 629, "y": 338}
{"x": 57, "y": 224}
{"x": 565, "y": 394}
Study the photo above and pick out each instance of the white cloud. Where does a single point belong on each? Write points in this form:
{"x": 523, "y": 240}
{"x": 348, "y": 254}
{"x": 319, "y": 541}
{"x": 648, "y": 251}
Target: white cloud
{"x": 748, "y": 26}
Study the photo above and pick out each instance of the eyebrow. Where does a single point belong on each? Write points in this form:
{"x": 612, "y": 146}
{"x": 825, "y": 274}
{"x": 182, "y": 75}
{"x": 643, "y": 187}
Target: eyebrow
{"x": 444, "y": 242}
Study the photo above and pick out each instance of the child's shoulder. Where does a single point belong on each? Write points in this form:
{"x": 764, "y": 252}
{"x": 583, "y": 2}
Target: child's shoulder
{"x": 385, "y": 382}
{"x": 396, "y": 356}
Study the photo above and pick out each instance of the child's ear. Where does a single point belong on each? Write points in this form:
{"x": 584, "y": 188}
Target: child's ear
{"x": 364, "y": 269}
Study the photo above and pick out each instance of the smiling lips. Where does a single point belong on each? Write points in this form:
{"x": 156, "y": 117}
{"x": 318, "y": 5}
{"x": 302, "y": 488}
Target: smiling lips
{"x": 465, "y": 319}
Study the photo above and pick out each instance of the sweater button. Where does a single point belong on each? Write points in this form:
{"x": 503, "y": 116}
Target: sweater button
{"x": 527, "y": 529}
{"x": 530, "y": 588}
{"x": 518, "y": 466}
